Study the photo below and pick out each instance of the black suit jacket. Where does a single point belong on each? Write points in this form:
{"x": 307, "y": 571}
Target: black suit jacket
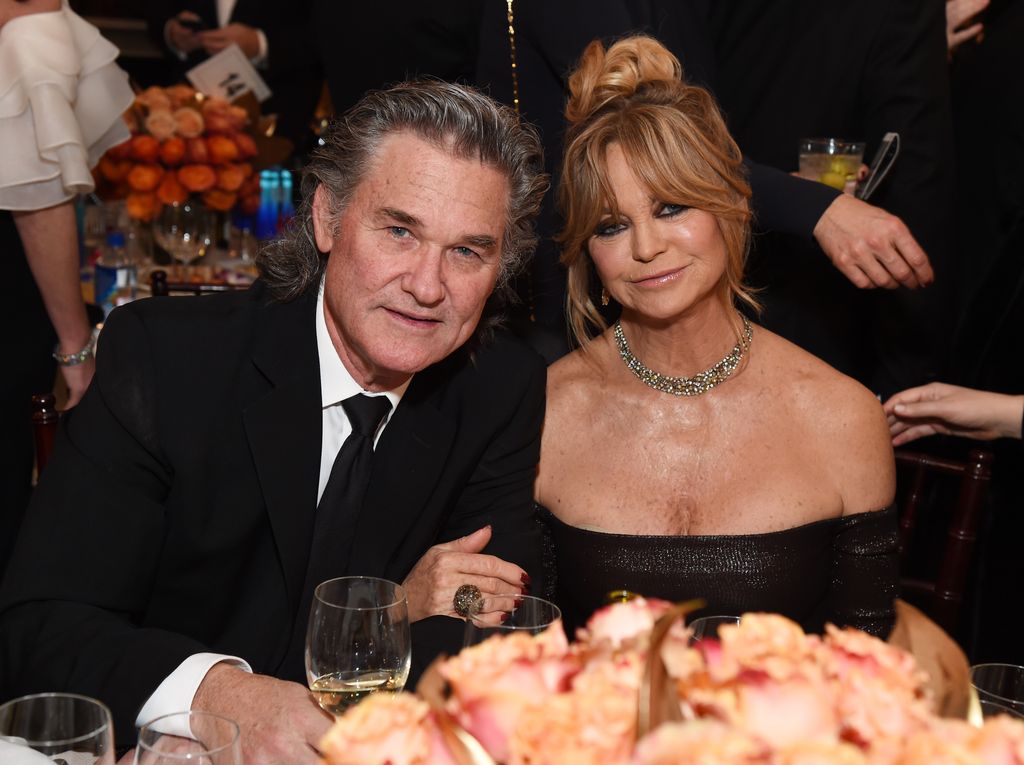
{"x": 176, "y": 514}
{"x": 291, "y": 73}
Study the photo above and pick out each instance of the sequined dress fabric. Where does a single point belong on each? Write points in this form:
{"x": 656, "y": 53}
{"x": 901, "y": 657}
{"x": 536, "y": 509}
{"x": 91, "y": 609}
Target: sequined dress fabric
{"x": 839, "y": 570}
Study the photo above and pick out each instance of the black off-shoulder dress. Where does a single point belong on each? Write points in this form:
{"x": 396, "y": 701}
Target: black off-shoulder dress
{"x": 839, "y": 570}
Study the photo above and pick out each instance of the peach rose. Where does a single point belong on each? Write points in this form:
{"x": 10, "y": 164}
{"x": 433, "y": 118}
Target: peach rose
{"x": 596, "y": 726}
{"x": 619, "y": 623}
{"x": 153, "y": 98}
{"x": 160, "y": 124}
{"x": 702, "y": 742}
{"x": 189, "y": 122}
{"x": 386, "y": 729}
{"x": 494, "y": 682}
{"x": 180, "y": 95}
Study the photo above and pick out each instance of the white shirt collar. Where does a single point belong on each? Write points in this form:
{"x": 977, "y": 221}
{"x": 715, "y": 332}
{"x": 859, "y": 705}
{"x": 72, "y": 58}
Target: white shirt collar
{"x": 336, "y": 384}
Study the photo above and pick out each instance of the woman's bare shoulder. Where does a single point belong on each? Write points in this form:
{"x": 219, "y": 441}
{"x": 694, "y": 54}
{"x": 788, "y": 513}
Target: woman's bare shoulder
{"x": 842, "y": 421}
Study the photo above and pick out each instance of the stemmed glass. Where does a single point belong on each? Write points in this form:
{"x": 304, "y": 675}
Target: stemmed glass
{"x": 189, "y": 738}
{"x": 185, "y": 230}
{"x": 999, "y": 689}
{"x": 58, "y": 727}
{"x": 357, "y": 641}
{"x": 708, "y": 626}
{"x": 531, "y": 615}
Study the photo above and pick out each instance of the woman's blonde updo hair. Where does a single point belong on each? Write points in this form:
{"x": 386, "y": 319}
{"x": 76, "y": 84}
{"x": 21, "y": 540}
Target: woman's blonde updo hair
{"x": 673, "y": 138}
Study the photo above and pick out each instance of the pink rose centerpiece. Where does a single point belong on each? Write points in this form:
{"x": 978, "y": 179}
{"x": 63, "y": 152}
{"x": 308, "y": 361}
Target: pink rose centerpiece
{"x": 764, "y": 692}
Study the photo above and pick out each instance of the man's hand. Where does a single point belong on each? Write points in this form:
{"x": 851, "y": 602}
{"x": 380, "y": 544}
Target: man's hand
{"x": 216, "y": 40}
{"x": 181, "y": 37}
{"x": 279, "y": 721}
{"x": 871, "y": 247}
{"x": 955, "y": 411}
{"x": 961, "y": 13}
{"x": 431, "y": 585}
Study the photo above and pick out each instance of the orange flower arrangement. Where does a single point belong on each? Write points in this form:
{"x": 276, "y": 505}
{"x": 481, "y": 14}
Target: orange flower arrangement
{"x": 182, "y": 144}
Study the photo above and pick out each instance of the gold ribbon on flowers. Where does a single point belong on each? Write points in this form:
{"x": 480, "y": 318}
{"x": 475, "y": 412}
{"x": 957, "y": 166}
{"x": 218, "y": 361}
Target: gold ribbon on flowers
{"x": 657, "y": 701}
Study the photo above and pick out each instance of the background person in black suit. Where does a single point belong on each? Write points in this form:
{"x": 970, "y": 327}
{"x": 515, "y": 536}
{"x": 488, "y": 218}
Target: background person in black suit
{"x": 274, "y": 35}
{"x": 174, "y": 526}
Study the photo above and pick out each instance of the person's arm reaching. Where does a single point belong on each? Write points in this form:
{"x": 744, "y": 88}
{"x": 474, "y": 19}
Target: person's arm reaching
{"x": 955, "y": 411}
{"x": 50, "y": 240}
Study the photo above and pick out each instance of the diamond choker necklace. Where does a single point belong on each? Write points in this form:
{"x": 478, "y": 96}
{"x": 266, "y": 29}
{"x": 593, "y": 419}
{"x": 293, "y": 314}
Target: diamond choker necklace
{"x": 701, "y": 382}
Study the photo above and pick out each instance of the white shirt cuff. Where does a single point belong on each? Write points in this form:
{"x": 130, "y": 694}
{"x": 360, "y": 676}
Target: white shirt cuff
{"x": 260, "y": 59}
{"x": 176, "y": 692}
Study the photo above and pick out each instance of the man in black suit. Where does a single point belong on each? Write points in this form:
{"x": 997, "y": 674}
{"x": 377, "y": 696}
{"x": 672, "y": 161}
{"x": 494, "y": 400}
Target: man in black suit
{"x": 274, "y": 35}
{"x": 177, "y": 529}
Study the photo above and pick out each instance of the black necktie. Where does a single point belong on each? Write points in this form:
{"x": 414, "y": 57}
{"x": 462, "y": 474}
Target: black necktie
{"x": 337, "y": 513}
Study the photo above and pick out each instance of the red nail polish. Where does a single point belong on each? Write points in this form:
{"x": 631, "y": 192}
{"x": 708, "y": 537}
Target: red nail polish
{"x": 518, "y": 602}
{"x": 504, "y": 617}
{"x": 526, "y": 579}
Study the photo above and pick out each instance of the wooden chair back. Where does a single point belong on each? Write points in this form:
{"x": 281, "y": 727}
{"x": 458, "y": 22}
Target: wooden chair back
{"x": 942, "y": 598}
{"x": 45, "y": 418}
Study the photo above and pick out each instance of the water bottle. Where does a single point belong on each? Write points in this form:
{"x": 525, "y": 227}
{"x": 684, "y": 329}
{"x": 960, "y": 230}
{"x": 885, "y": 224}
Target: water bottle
{"x": 287, "y": 209}
{"x": 266, "y": 217}
{"x": 116, "y": 277}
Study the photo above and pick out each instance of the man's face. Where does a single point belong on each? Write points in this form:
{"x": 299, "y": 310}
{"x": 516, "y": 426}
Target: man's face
{"x": 415, "y": 256}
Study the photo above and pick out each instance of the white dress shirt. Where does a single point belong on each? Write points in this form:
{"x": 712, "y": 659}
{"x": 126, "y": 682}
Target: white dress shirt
{"x": 176, "y": 692}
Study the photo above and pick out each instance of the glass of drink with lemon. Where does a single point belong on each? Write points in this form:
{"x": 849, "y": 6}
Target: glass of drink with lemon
{"x": 831, "y": 161}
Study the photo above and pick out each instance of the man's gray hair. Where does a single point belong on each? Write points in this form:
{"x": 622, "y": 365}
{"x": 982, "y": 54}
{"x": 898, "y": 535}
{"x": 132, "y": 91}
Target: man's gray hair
{"x": 456, "y": 118}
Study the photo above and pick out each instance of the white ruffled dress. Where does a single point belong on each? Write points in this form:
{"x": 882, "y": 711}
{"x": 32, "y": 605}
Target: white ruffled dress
{"x": 61, "y": 101}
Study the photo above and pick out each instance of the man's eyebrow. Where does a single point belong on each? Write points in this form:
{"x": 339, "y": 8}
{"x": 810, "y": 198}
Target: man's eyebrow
{"x": 483, "y": 241}
{"x": 398, "y": 216}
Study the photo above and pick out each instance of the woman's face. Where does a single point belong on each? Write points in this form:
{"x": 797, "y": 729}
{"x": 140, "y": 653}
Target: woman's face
{"x": 658, "y": 259}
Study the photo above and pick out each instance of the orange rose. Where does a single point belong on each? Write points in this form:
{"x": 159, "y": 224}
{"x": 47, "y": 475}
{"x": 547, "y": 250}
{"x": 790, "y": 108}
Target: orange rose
{"x": 113, "y": 170}
{"x": 145, "y": 148}
{"x": 170, "y": 191}
{"x": 189, "y": 122}
{"x": 123, "y": 150}
{"x": 219, "y": 200}
{"x": 142, "y": 205}
{"x": 195, "y": 151}
{"x": 145, "y": 177}
{"x": 246, "y": 145}
{"x": 230, "y": 177}
{"x": 221, "y": 148}
{"x": 172, "y": 151}
{"x": 197, "y": 178}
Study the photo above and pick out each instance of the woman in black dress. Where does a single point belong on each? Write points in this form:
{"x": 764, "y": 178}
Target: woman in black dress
{"x": 688, "y": 452}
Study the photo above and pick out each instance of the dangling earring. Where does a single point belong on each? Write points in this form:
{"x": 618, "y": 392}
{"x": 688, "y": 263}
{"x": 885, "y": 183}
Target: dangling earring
{"x": 605, "y": 298}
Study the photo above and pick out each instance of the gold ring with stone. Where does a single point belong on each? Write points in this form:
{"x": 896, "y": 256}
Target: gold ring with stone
{"x": 468, "y": 600}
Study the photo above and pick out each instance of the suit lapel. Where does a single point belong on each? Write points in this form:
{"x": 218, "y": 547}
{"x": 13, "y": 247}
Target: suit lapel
{"x": 407, "y": 464}
{"x": 283, "y": 427}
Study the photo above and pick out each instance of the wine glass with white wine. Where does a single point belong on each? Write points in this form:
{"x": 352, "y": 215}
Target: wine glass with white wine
{"x": 357, "y": 641}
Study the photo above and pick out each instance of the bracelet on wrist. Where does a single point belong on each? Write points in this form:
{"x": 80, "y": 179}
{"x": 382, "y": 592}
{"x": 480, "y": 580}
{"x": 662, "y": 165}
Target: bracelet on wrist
{"x": 80, "y": 357}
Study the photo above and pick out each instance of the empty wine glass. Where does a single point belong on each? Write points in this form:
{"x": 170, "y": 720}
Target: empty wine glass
{"x": 357, "y": 641}
{"x": 708, "y": 626}
{"x": 189, "y": 738}
{"x": 60, "y": 727}
{"x": 531, "y": 615}
{"x": 1000, "y": 684}
{"x": 185, "y": 230}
